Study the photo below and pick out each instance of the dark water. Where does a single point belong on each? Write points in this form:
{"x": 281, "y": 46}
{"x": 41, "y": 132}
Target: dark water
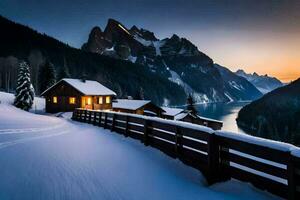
{"x": 226, "y": 112}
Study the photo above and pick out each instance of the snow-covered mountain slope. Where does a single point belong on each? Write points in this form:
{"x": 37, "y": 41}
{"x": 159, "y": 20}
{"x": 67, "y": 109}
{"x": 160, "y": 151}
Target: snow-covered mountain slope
{"x": 45, "y": 157}
{"x": 264, "y": 83}
{"x": 175, "y": 58}
{"x": 238, "y": 87}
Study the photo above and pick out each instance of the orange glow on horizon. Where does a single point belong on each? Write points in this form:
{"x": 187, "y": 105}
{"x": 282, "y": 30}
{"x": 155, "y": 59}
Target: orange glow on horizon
{"x": 276, "y": 53}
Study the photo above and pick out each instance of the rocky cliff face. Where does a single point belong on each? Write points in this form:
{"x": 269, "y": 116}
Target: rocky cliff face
{"x": 177, "y": 59}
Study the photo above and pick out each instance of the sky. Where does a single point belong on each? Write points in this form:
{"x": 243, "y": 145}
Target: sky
{"x": 257, "y": 36}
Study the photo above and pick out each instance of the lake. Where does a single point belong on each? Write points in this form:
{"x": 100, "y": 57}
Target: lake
{"x": 226, "y": 112}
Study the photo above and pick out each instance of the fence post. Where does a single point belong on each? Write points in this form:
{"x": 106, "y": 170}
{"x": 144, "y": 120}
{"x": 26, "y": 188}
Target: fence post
{"x": 79, "y": 115}
{"x": 100, "y": 118}
{"x": 213, "y": 173}
{"x": 291, "y": 178}
{"x": 90, "y": 117}
{"x": 95, "y": 117}
{"x": 85, "y": 114}
{"x": 126, "y": 126}
{"x": 146, "y": 132}
{"x": 113, "y": 122}
{"x": 178, "y": 142}
{"x": 223, "y": 165}
{"x": 105, "y": 120}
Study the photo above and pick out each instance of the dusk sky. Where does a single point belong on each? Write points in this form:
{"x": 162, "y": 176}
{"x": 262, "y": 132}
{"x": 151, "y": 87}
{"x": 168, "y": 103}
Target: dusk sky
{"x": 261, "y": 36}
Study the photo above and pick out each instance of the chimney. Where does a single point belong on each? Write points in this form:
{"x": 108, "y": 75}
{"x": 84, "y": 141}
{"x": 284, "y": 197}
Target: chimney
{"x": 83, "y": 78}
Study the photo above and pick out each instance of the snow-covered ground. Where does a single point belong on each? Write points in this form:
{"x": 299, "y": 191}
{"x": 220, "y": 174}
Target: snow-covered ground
{"x": 46, "y": 157}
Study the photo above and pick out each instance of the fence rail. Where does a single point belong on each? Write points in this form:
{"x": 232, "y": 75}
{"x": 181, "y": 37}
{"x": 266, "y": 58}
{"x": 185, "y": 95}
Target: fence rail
{"x": 218, "y": 157}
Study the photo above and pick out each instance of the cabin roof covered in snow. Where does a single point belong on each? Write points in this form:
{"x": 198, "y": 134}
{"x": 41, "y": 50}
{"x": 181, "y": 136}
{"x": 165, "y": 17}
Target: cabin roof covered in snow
{"x": 172, "y": 111}
{"x": 87, "y": 87}
{"x": 129, "y": 104}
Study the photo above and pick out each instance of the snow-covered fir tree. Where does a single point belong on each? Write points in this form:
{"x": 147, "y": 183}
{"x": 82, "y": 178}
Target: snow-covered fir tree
{"x": 47, "y": 76}
{"x": 24, "y": 92}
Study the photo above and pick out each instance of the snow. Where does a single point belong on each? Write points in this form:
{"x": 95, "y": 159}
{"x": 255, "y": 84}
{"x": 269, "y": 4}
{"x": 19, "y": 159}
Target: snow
{"x": 142, "y": 40}
{"x": 175, "y": 78}
{"x": 87, "y": 88}
{"x": 38, "y": 103}
{"x": 229, "y": 97}
{"x": 157, "y": 45}
{"x": 180, "y": 116}
{"x": 281, "y": 146}
{"x": 209, "y": 119}
{"x": 129, "y": 104}
{"x": 236, "y": 86}
{"x": 132, "y": 58}
{"x": 172, "y": 111}
{"x": 46, "y": 157}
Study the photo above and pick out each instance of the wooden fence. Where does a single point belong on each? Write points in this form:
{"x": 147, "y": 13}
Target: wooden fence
{"x": 218, "y": 157}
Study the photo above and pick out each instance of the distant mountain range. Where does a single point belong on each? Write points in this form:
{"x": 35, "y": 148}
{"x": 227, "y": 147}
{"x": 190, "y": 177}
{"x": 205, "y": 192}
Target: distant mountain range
{"x": 275, "y": 116}
{"x": 132, "y": 60}
{"x": 263, "y": 83}
{"x": 176, "y": 58}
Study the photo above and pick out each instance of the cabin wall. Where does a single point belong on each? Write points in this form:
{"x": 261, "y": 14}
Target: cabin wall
{"x": 104, "y": 106}
{"x": 63, "y": 92}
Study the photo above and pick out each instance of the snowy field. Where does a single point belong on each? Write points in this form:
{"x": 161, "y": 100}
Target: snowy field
{"x": 48, "y": 157}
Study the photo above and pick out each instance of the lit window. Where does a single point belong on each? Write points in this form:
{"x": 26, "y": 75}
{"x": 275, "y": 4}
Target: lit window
{"x": 89, "y": 101}
{"x": 100, "y": 100}
{"x": 54, "y": 99}
{"x": 72, "y": 100}
{"x": 107, "y": 100}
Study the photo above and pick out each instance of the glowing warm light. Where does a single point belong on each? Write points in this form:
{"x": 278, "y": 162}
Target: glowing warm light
{"x": 72, "y": 100}
{"x": 89, "y": 101}
{"x": 100, "y": 100}
{"x": 107, "y": 100}
{"x": 54, "y": 99}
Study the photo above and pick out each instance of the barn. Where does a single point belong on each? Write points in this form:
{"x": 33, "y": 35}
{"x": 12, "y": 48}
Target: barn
{"x": 141, "y": 107}
{"x": 68, "y": 94}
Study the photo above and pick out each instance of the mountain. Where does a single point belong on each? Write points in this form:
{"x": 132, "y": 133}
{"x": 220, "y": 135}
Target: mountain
{"x": 276, "y": 115}
{"x": 125, "y": 78}
{"x": 126, "y": 60}
{"x": 238, "y": 87}
{"x": 175, "y": 58}
{"x": 264, "y": 83}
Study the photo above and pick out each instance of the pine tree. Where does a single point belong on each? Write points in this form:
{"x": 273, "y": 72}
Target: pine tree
{"x": 24, "y": 92}
{"x": 64, "y": 71}
{"x": 47, "y": 76}
{"x": 191, "y": 105}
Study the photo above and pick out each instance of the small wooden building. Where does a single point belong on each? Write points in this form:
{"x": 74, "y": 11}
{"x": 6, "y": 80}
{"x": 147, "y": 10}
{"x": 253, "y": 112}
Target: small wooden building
{"x": 170, "y": 113}
{"x": 68, "y": 94}
{"x": 196, "y": 119}
{"x": 182, "y": 115}
{"x": 141, "y": 107}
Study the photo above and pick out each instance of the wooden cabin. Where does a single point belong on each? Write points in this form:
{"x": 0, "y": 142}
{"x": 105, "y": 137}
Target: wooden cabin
{"x": 196, "y": 119}
{"x": 68, "y": 94}
{"x": 141, "y": 107}
{"x": 182, "y": 115}
{"x": 170, "y": 113}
